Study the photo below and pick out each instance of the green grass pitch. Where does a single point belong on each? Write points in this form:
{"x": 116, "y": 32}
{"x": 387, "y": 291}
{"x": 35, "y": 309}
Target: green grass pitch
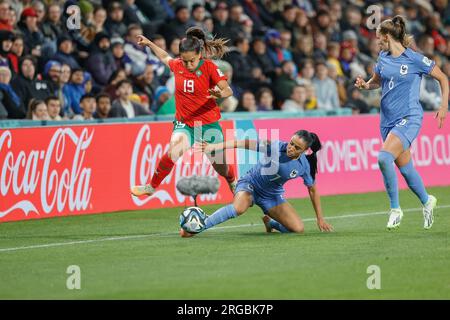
{"x": 139, "y": 255}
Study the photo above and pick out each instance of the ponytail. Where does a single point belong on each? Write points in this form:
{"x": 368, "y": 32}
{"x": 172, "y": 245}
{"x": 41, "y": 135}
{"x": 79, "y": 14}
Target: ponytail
{"x": 315, "y": 145}
{"x": 396, "y": 28}
{"x": 196, "y": 41}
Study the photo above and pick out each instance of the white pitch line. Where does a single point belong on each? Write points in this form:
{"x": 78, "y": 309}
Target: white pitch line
{"x": 59, "y": 244}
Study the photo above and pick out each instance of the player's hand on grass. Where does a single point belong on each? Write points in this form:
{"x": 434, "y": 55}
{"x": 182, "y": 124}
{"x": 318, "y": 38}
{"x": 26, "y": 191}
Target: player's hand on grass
{"x": 440, "y": 115}
{"x": 143, "y": 41}
{"x": 324, "y": 226}
{"x": 214, "y": 93}
{"x": 360, "y": 83}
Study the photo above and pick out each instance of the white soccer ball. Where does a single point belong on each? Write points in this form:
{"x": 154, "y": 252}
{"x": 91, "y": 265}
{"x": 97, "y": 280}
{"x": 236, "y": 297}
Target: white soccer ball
{"x": 192, "y": 220}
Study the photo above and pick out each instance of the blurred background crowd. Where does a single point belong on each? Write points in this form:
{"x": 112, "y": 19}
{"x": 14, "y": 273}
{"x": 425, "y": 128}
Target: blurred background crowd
{"x": 80, "y": 59}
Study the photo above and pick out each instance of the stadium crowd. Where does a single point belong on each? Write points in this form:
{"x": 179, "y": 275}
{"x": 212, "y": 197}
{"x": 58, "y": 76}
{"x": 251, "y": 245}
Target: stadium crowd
{"x": 80, "y": 59}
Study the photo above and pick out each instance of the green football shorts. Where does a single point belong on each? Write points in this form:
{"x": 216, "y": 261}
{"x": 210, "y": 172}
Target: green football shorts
{"x": 210, "y": 133}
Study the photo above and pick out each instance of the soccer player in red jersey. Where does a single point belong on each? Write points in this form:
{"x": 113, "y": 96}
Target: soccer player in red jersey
{"x": 198, "y": 83}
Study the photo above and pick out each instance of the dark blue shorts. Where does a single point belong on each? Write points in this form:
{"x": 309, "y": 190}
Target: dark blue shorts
{"x": 263, "y": 201}
{"x": 406, "y": 129}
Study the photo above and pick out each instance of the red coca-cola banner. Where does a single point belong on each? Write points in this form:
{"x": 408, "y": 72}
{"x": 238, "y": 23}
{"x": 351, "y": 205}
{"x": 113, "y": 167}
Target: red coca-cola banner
{"x": 47, "y": 172}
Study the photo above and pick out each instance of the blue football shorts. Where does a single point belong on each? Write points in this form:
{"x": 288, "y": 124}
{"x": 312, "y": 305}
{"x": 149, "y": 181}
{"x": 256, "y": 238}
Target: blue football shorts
{"x": 265, "y": 202}
{"x": 406, "y": 129}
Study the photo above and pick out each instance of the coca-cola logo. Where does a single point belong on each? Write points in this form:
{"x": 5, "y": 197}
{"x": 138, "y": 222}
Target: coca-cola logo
{"x": 144, "y": 161}
{"x": 58, "y": 175}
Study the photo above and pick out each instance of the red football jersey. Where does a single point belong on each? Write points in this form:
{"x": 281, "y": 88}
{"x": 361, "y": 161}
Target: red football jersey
{"x": 191, "y": 92}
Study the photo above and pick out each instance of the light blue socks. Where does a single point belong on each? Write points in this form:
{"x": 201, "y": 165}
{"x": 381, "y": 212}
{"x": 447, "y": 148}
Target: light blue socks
{"x": 414, "y": 181}
{"x": 221, "y": 215}
{"x": 278, "y": 226}
{"x": 385, "y": 161}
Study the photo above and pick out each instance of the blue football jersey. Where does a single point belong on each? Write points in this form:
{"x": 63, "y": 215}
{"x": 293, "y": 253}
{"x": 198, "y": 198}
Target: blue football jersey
{"x": 275, "y": 168}
{"x": 400, "y": 85}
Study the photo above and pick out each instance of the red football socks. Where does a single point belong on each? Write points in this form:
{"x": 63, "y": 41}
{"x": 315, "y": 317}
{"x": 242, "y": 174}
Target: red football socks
{"x": 164, "y": 167}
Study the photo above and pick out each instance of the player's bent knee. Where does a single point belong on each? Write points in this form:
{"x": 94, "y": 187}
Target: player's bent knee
{"x": 298, "y": 229}
{"x": 240, "y": 208}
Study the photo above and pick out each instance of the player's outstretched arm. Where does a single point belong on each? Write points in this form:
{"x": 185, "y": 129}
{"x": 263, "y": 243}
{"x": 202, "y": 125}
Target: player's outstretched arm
{"x": 373, "y": 83}
{"x": 230, "y": 144}
{"x": 160, "y": 53}
{"x": 443, "y": 81}
{"x": 315, "y": 200}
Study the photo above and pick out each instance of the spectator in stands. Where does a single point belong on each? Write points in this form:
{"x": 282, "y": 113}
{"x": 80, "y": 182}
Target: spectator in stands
{"x": 123, "y": 106}
{"x": 353, "y": 21}
{"x": 101, "y": 62}
{"x": 63, "y": 79}
{"x": 311, "y": 97}
{"x": 33, "y": 36}
{"x": 174, "y": 47}
{"x": 133, "y": 14}
{"x": 340, "y": 83}
{"x": 39, "y": 7}
{"x": 88, "y": 106}
{"x": 27, "y": 85}
{"x": 114, "y": 24}
{"x": 53, "y": 108}
{"x": 296, "y": 101}
{"x": 307, "y": 72}
{"x": 10, "y": 101}
{"x": 37, "y": 110}
{"x": 6, "y": 42}
{"x": 325, "y": 87}
{"x": 198, "y": 14}
{"x": 333, "y": 52}
{"x": 65, "y": 50}
{"x": 302, "y": 26}
{"x": 274, "y": 50}
{"x": 52, "y": 73}
{"x": 4, "y": 15}
{"x": 161, "y": 100}
{"x": 356, "y": 101}
{"x": 287, "y": 20}
{"x": 99, "y": 19}
{"x": 284, "y": 84}
{"x": 16, "y": 53}
{"x": 258, "y": 13}
{"x": 74, "y": 90}
{"x": 304, "y": 49}
{"x": 157, "y": 11}
{"x": 103, "y": 106}
{"x": 116, "y": 77}
{"x": 177, "y": 27}
{"x": 140, "y": 56}
{"x": 146, "y": 83}
{"x": 222, "y": 24}
{"x": 239, "y": 59}
{"x": 286, "y": 44}
{"x": 260, "y": 57}
{"x": 52, "y": 27}
{"x": 236, "y": 13}
{"x": 247, "y": 103}
{"x": 320, "y": 46}
{"x": 121, "y": 59}
{"x": 265, "y": 99}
